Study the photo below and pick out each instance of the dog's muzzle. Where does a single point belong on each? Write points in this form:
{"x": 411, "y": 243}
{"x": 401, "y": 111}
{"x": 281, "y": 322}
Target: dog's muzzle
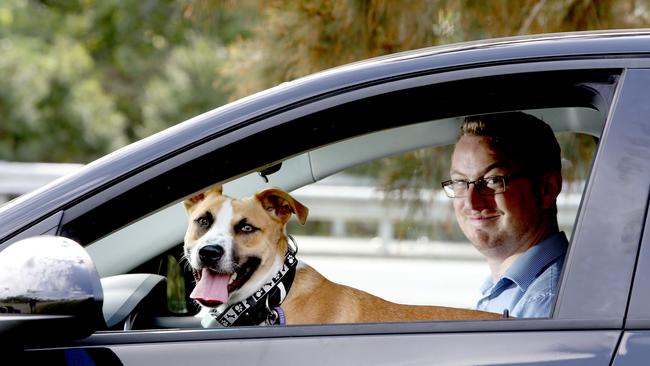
{"x": 218, "y": 275}
{"x": 210, "y": 255}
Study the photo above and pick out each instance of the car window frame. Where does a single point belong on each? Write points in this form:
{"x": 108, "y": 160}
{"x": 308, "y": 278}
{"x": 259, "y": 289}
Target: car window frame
{"x": 284, "y": 122}
{"x": 563, "y": 318}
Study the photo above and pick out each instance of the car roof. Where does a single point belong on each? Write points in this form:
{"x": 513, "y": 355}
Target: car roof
{"x": 132, "y": 158}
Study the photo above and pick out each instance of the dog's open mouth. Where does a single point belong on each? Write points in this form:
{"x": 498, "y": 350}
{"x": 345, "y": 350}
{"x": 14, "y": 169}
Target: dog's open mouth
{"x": 213, "y": 288}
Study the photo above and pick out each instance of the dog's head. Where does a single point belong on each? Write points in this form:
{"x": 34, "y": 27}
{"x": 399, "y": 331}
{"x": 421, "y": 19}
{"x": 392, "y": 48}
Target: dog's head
{"x": 233, "y": 245}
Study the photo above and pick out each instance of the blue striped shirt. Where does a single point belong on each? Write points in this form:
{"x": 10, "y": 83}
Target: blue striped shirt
{"x": 528, "y": 288}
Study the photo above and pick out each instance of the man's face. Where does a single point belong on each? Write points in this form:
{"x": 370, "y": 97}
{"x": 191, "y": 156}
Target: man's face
{"x": 502, "y": 224}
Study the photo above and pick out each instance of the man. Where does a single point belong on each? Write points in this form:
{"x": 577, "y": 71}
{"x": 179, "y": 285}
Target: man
{"x": 505, "y": 178}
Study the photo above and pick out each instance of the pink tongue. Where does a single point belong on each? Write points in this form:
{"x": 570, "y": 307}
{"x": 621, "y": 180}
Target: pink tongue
{"x": 213, "y": 287}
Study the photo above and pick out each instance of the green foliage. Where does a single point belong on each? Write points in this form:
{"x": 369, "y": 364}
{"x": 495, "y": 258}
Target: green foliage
{"x": 296, "y": 38}
{"x": 52, "y": 103}
{"x": 176, "y": 295}
{"x": 83, "y": 77}
{"x": 189, "y": 83}
{"x": 577, "y": 153}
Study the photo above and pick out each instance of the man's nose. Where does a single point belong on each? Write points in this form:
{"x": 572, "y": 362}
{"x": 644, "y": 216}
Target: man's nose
{"x": 474, "y": 199}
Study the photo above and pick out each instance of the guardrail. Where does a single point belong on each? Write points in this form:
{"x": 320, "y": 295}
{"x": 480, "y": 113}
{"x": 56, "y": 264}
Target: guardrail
{"x": 19, "y": 178}
{"x": 337, "y": 200}
{"x": 341, "y": 204}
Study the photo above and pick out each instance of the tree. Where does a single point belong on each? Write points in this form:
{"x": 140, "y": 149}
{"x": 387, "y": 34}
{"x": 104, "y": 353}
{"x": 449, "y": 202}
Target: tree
{"x": 104, "y": 73}
{"x": 294, "y": 39}
{"x": 82, "y": 78}
{"x": 51, "y": 99}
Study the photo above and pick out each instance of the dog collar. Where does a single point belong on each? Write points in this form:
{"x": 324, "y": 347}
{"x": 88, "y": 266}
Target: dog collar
{"x": 263, "y": 307}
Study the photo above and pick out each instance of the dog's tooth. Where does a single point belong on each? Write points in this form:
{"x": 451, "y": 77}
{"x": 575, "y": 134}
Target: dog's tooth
{"x": 232, "y": 278}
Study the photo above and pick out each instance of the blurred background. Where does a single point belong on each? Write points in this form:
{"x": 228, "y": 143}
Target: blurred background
{"x": 81, "y": 78}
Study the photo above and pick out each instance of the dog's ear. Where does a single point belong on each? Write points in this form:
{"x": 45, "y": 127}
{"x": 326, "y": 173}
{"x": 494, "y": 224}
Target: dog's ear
{"x": 281, "y": 205}
{"x": 191, "y": 202}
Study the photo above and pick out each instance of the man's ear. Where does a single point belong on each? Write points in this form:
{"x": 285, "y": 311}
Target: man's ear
{"x": 191, "y": 202}
{"x": 281, "y": 205}
{"x": 551, "y": 186}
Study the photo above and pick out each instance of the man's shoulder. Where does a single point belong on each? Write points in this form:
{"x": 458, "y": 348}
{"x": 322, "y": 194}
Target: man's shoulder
{"x": 538, "y": 263}
{"x": 548, "y": 280}
{"x": 539, "y": 298}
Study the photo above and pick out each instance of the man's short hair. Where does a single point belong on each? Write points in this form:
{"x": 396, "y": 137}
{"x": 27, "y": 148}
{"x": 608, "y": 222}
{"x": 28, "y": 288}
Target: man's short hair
{"x": 526, "y": 139}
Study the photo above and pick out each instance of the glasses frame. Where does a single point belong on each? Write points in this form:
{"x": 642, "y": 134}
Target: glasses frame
{"x": 480, "y": 184}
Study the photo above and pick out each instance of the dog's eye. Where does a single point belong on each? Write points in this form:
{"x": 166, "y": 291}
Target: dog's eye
{"x": 204, "y": 221}
{"x": 244, "y": 227}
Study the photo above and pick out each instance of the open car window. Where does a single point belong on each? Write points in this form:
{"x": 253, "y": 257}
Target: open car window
{"x": 387, "y": 227}
{"x": 369, "y": 170}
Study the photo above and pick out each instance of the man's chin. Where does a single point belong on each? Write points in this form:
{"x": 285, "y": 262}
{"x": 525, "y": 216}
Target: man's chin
{"x": 483, "y": 240}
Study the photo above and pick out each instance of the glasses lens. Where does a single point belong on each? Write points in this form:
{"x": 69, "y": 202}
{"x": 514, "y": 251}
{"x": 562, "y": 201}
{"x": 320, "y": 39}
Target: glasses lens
{"x": 455, "y": 189}
{"x": 486, "y": 187}
{"x": 446, "y": 186}
{"x": 491, "y": 185}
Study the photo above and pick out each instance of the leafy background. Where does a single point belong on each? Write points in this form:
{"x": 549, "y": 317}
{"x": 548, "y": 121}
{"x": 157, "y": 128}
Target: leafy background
{"x": 81, "y": 78}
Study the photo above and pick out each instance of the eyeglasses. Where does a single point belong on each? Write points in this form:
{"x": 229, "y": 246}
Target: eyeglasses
{"x": 488, "y": 186}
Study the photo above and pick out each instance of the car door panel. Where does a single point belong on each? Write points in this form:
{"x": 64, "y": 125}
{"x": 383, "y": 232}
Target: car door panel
{"x": 490, "y": 348}
{"x": 638, "y": 315}
{"x": 634, "y": 349}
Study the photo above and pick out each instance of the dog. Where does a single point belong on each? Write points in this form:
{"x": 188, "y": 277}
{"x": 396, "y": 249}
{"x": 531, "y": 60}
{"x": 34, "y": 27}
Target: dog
{"x": 247, "y": 273}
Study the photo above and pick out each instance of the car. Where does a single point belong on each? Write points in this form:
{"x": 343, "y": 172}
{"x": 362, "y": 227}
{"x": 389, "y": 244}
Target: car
{"x": 108, "y": 237}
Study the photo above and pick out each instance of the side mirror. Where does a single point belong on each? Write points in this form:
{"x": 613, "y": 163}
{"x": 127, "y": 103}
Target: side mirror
{"x": 50, "y": 292}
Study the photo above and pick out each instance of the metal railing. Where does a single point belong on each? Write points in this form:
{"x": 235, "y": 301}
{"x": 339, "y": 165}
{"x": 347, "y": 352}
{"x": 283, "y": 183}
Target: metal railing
{"x": 337, "y": 200}
{"x": 18, "y": 178}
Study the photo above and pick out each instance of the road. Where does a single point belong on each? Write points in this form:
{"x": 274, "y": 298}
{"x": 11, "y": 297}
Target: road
{"x": 404, "y": 279}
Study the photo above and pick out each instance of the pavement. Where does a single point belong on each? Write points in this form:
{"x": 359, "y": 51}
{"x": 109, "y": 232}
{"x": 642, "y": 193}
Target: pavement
{"x": 420, "y": 273}
{"x": 333, "y": 246}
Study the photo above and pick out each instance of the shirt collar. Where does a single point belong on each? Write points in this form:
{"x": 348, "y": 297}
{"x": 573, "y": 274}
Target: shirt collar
{"x": 530, "y": 264}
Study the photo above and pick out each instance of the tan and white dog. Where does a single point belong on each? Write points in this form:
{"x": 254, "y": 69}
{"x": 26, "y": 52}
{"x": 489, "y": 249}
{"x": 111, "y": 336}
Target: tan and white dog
{"x": 238, "y": 249}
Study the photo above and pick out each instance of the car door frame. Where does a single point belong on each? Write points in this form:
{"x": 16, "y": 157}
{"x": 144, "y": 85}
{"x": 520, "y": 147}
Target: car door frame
{"x": 597, "y": 327}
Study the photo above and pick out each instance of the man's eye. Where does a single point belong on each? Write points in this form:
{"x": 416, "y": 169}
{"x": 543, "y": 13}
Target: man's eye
{"x": 493, "y": 180}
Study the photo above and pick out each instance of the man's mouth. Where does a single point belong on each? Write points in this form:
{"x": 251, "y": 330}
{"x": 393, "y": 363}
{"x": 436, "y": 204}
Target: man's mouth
{"x": 482, "y": 218}
{"x": 213, "y": 288}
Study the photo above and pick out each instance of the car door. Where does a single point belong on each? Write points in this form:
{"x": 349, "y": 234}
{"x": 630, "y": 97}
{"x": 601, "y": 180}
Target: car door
{"x": 588, "y": 318}
{"x": 633, "y": 348}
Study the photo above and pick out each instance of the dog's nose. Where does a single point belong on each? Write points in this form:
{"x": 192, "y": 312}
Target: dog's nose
{"x": 210, "y": 254}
